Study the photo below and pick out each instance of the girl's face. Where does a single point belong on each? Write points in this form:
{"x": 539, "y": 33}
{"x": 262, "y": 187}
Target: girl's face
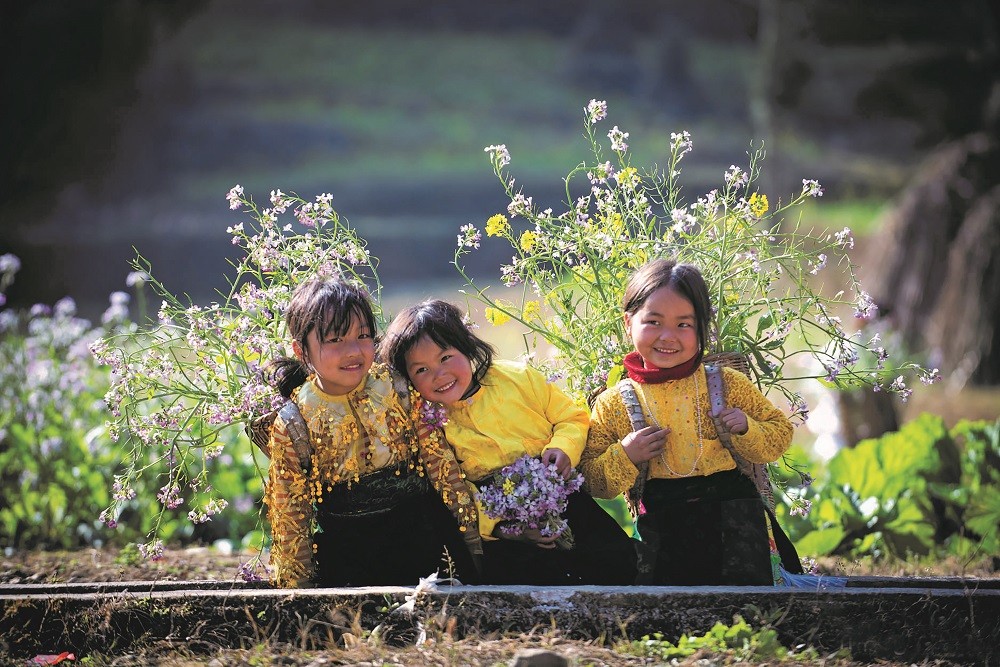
{"x": 440, "y": 374}
{"x": 664, "y": 330}
{"x": 341, "y": 363}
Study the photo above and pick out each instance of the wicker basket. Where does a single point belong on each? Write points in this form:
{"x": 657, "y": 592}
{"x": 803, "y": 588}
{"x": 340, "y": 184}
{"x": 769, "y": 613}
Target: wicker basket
{"x": 734, "y": 360}
{"x": 259, "y": 430}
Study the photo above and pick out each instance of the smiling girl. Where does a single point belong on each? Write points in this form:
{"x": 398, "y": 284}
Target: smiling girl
{"x": 356, "y": 508}
{"x": 498, "y": 411}
{"x": 703, "y": 519}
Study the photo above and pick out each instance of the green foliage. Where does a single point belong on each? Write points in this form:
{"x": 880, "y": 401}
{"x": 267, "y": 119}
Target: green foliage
{"x": 921, "y": 490}
{"x": 569, "y": 269}
{"x": 54, "y": 449}
{"x": 738, "y": 641}
{"x": 58, "y": 454}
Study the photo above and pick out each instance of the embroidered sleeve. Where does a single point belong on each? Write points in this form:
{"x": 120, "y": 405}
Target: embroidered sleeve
{"x": 290, "y": 513}
{"x": 606, "y": 468}
{"x": 770, "y": 432}
{"x": 445, "y": 474}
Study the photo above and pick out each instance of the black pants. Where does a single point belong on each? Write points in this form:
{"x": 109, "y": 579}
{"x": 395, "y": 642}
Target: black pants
{"x": 396, "y": 538}
{"x": 708, "y": 530}
{"x": 602, "y": 555}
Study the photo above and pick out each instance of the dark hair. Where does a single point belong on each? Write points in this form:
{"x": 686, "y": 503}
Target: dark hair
{"x": 326, "y": 305}
{"x": 442, "y": 323}
{"x": 685, "y": 279}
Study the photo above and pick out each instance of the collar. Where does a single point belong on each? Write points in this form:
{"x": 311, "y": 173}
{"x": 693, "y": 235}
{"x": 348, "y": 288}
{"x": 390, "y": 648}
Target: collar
{"x": 638, "y": 372}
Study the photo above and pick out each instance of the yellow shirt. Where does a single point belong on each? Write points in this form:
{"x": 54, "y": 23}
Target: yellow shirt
{"x": 374, "y": 426}
{"x": 516, "y": 412}
{"x": 693, "y": 447}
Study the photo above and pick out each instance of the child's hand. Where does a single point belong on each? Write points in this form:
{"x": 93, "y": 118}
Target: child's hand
{"x": 735, "y": 420}
{"x": 561, "y": 460}
{"x": 645, "y": 444}
{"x": 532, "y": 535}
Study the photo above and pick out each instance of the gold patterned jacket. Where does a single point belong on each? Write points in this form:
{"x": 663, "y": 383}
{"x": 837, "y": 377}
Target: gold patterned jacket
{"x": 372, "y": 427}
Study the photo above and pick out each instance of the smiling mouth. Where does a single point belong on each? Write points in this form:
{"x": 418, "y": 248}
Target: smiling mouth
{"x": 351, "y": 367}
{"x": 664, "y": 351}
{"x": 447, "y": 387}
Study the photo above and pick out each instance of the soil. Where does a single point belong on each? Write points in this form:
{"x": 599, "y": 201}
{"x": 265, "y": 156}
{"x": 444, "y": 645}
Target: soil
{"x": 441, "y": 647}
{"x": 206, "y": 564}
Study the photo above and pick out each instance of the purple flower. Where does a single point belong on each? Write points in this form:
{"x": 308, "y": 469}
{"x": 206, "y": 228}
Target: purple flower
{"x": 253, "y": 570}
{"x": 152, "y": 550}
{"x": 433, "y": 415}
{"x": 530, "y": 494}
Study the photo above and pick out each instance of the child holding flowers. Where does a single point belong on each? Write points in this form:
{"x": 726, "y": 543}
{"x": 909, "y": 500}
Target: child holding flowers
{"x": 496, "y": 412}
{"x": 701, "y": 518}
{"x": 356, "y": 507}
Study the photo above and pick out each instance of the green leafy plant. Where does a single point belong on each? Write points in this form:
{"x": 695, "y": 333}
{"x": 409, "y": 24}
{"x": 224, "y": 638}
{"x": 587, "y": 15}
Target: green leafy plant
{"x": 566, "y": 278}
{"x": 58, "y": 451}
{"x": 739, "y": 641}
{"x": 54, "y": 449}
{"x": 921, "y": 490}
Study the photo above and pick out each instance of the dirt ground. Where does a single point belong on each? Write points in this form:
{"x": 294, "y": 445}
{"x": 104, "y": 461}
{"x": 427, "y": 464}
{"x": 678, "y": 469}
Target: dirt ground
{"x": 203, "y": 563}
{"x": 440, "y": 648}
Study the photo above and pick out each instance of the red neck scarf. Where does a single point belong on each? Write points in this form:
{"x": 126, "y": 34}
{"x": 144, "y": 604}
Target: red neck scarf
{"x": 638, "y": 372}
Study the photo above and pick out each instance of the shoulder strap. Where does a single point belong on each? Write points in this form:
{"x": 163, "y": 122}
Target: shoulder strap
{"x": 716, "y": 403}
{"x": 632, "y": 405}
{"x": 755, "y": 471}
{"x": 638, "y": 421}
{"x": 298, "y": 432}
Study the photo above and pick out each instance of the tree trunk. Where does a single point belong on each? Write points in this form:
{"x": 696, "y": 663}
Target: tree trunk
{"x": 937, "y": 276}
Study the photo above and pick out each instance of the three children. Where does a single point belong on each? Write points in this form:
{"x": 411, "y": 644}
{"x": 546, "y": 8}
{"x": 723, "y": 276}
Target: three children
{"x": 360, "y": 510}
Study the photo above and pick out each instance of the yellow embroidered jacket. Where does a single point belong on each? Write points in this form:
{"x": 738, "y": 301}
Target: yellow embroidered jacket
{"x": 693, "y": 446}
{"x": 374, "y": 426}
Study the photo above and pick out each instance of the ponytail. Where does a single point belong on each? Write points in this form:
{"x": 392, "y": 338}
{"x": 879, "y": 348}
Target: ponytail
{"x": 285, "y": 374}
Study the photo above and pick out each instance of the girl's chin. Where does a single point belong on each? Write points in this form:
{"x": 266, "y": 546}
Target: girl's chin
{"x": 449, "y": 399}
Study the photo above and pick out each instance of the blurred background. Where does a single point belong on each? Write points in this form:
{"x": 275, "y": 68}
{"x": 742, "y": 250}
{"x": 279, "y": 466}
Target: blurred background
{"x": 124, "y": 124}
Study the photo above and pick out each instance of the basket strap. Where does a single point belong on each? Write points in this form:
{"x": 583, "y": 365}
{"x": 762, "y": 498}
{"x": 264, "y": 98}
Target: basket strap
{"x": 757, "y": 473}
{"x": 298, "y": 432}
{"x": 638, "y": 421}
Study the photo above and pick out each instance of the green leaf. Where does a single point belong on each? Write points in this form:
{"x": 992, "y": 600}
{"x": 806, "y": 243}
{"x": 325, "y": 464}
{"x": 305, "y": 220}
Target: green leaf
{"x": 820, "y": 542}
{"x": 983, "y": 516}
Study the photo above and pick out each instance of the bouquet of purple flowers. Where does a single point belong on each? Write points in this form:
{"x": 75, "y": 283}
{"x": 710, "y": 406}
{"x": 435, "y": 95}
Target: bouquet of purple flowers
{"x": 531, "y": 494}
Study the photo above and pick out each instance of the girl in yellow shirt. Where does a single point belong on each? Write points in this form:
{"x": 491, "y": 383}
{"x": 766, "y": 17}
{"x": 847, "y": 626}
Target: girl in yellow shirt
{"x": 498, "y": 411}
{"x": 703, "y": 519}
{"x": 355, "y": 507}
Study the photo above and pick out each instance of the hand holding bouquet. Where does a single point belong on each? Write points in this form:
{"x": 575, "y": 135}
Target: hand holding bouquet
{"x": 529, "y": 494}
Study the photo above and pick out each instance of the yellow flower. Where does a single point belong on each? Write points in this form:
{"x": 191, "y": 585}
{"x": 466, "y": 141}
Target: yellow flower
{"x": 531, "y": 308}
{"x": 528, "y": 240}
{"x": 615, "y": 223}
{"x": 758, "y": 204}
{"x": 496, "y": 317}
{"x": 629, "y": 176}
{"x": 497, "y": 225}
{"x": 638, "y": 258}
{"x": 508, "y": 487}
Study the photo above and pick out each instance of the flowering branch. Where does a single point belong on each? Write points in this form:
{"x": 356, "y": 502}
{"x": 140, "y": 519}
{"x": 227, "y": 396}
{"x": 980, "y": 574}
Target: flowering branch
{"x": 766, "y": 276}
{"x": 198, "y": 371}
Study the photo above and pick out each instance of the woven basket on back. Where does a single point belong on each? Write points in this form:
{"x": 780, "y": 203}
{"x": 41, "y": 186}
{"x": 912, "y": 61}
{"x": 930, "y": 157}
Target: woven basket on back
{"x": 259, "y": 430}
